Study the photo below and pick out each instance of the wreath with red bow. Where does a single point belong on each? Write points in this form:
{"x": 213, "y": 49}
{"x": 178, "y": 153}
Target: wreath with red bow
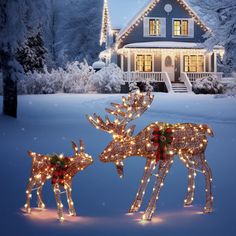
{"x": 60, "y": 166}
{"x": 162, "y": 138}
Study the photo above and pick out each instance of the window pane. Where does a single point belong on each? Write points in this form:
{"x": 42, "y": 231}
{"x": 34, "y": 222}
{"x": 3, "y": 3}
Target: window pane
{"x": 140, "y": 63}
{"x": 177, "y": 31}
{"x": 200, "y": 64}
{"x": 186, "y": 63}
{"x": 184, "y": 28}
{"x": 193, "y": 63}
{"x": 154, "y": 27}
{"x": 148, "y": 63}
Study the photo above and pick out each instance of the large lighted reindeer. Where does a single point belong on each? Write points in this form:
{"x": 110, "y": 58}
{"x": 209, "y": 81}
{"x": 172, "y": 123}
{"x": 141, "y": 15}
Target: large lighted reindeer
{"x": 60, "y": 170}
{"x": 159, "y": 142}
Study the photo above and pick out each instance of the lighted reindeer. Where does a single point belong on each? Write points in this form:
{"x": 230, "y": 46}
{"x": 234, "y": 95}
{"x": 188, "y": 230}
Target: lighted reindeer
{"x": 159, "y": 142}
{"x": 61, "y": 170}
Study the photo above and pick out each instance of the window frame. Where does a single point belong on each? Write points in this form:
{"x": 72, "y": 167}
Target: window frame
{"x": 182, "y": 21}
{"x": 155, "y": 28}
{"x": 144, "y": 65}
{"x": 196, "y": 66}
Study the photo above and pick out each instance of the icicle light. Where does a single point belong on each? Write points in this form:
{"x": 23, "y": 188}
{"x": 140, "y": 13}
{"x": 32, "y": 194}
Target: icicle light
{"x": 159, "y": 142}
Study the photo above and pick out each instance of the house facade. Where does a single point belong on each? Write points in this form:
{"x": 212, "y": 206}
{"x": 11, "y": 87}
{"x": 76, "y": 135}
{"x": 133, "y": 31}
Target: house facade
{"x": 163, "y": 43}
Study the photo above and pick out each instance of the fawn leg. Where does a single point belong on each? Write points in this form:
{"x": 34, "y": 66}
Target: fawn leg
{"x": 191, "y": 179}
{"x": 149, "y": 167}
{"x": 163, "y": 170}
{"x": 29, "y": 194}
{"x": 57, "y": 194}
{"x": 208, "y": 185}
{"x": 68, "y": 188}
{"x": 39, "y": 197}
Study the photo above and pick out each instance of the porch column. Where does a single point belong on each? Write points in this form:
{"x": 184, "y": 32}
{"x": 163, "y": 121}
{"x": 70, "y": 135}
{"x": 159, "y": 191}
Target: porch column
{"x": 215, "y": 63}
{"x": 209, "y": 62}
{"x": 129, "y": 64}
{"x": 122, "y": 62}
{"x": 181, "y": 63}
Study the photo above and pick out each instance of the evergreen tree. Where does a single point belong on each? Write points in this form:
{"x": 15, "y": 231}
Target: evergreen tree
{"x": 32, "y": 55}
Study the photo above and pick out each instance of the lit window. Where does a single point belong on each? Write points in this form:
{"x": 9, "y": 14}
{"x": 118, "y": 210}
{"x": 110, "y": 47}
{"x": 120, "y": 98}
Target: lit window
{"x": 144, "y": 63}
{"x": 180, "y": 27}
{"x": 154, "y": 27}
{"x": 194, "y": 63}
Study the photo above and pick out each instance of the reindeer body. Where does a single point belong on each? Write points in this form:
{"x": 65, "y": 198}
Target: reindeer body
{"x": 188, "y": 141}
{"x": 43, "y": 170}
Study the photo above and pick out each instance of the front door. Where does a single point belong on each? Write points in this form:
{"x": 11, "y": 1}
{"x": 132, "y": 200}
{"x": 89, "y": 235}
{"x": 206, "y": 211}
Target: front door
{"x": 168, "y": 65}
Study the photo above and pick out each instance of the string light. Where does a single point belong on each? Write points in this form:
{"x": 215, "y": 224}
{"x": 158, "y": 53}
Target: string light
{"x": 159, "y": 142}
{"x": 61, "y": 169}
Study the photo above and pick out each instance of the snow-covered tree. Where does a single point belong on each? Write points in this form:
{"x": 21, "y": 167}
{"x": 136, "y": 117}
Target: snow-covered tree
{"x": 32, "y": 55}
{"x": 18, "y": 19}
{"x": 78, "y": 30}
{"x": 220, "y": 16}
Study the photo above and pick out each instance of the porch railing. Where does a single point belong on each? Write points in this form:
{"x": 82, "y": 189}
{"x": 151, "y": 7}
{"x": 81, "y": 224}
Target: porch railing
{"x": 198, "y": 75}
{"x": 148, "y": 76}
{"x": 184, "y": 78}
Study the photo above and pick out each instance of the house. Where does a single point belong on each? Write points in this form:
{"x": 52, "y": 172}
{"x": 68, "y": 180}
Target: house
{"x": 163, "y": 44}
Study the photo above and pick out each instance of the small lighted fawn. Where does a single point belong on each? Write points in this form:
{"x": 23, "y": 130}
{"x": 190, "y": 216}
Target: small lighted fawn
{"x": 159, "y": 142}
{"x": 61, "y": 169}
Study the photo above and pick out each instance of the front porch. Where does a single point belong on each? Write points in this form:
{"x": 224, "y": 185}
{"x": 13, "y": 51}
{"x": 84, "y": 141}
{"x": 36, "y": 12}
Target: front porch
{"x": 171, "y": 65}
{"x": 187, "y": 79}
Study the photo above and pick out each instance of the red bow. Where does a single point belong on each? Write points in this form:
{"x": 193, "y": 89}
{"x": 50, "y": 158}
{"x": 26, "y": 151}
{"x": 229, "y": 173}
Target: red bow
{"x": 161, "y": 139}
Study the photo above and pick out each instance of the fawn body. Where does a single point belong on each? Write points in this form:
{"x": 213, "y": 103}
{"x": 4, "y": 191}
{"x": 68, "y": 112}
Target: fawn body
{"x": 62, "y": 171}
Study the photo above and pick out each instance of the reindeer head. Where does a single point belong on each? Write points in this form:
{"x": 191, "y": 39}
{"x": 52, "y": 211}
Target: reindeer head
{"x": 81, "y": 158}
{"x": 120, "y": 148}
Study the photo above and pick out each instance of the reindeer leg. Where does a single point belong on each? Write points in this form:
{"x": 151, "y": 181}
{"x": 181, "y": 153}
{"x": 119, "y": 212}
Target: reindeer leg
{"x": 163, "y": 170}
{"x": 39, "y": 197}
{"x": 149, "y": 167}
{"x": 208, "y": 185}
{"x": 57, "y": 193}
{"x": 29, "y": 194}
{"x": 68, "y": 189}
{"x": 191, "y": 179}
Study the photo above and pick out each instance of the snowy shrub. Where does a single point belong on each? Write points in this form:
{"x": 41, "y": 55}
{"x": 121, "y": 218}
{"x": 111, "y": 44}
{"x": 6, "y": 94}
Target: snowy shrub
{"x": 77, "y": 77}
{"x": 208, "y": 85}
{"x": 133, "y": 86}
{"x": 142, "y": 86}
{"x": 73, "y": 79}
{"x": 108, "y": 79}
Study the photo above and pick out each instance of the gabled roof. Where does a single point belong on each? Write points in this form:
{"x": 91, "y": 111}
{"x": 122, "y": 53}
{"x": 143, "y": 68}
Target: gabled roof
{"x": 125, "y": 14}
{"x": 149, "y": 6}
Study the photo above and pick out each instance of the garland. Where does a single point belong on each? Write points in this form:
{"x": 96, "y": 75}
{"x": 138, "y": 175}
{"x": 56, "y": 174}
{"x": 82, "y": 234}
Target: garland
{"x": 162, "y": 138}
{"x": 60, "y": 166}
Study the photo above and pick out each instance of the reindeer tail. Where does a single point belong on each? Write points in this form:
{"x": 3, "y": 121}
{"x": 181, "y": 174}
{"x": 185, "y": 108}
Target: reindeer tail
{"x": 208, "y": 130}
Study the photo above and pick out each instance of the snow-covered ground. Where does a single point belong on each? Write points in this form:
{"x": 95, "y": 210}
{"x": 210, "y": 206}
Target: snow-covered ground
{"x": 47, "y": 124}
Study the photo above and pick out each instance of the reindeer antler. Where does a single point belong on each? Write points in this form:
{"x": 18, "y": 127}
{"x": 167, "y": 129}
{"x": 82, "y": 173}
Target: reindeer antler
{"x": 131, "y": 108}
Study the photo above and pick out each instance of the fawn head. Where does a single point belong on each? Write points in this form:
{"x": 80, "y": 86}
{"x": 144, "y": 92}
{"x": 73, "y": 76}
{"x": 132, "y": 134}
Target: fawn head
{"x": 121, "y": 145}
{"x": 81, "y": 158}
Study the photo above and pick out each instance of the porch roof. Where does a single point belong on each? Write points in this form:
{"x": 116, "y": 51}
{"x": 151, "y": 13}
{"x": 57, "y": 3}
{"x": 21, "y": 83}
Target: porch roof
{"x": 168, "y": 44}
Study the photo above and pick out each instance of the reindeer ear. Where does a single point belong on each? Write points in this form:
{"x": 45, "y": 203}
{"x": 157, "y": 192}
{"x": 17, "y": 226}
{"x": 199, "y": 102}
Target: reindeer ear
{"x": 31, "y": 154}
{"x": 75, "y": 147}
{"x": 81, "y": 146}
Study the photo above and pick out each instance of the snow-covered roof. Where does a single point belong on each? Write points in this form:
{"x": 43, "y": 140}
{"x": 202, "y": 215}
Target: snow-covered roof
{"x": 167, "y": 44}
